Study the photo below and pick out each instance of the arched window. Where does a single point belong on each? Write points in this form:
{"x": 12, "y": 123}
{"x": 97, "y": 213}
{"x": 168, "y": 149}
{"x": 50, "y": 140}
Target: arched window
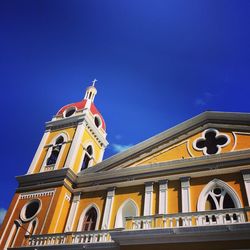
{"x": 127, "y": 209}
{"x": 13, "y": 234}
{"x": 218, "y": 195}
{"x": 89, "y": 222}
{"x": 32, "y": 227}
{"x": 55, "y": 151}
{"x": 87, "y": 157}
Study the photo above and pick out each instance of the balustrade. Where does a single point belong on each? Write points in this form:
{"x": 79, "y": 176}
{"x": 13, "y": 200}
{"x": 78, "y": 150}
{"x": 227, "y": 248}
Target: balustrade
{"x": 204, "y": 218}
{"x": 190, "y": 219}
{"x": 69, "y": 238}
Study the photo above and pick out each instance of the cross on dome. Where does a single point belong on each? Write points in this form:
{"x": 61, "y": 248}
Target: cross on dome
{"x": 93, "y": 82}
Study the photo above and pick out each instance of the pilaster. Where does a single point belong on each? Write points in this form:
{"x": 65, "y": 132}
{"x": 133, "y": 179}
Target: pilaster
{"x": 185, "y": 194}
{"x": 246, "y": 178}
{"x": 75, "y": 145}
{"x": 72, "y": 212}
{"x": 38, "y": 152}
{"x": 148, "y": 201}
{"x": 108, "y": 208}
{"x": 163, "y": 197}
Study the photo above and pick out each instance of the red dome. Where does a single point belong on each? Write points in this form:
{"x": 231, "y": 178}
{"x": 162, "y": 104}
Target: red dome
{"x": 81, "y": 105}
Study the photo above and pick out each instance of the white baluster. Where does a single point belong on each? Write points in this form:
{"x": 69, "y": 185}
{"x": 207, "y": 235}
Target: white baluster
{"x": 164, "y": 222}
{"x": 177, "y": 221}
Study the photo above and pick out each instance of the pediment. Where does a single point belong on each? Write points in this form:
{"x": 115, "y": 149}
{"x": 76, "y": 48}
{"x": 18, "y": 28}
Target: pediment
{"x": 210, "y": 141}
{"x": 206, "y": 134}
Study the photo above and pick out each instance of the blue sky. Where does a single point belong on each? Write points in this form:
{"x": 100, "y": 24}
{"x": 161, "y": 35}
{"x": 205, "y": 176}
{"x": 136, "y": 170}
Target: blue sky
{"x": 158, "y": 63}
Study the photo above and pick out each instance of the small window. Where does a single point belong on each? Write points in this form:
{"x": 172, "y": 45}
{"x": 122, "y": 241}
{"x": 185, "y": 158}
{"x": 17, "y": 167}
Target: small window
{"x": 69, "y": 112}
{"x": 30, "y": 210}
{"x": 55, "y": 151}
{"x": 90, "y": 219}
{"x": 97, "y": 121}
{"x": 87, "y": 157}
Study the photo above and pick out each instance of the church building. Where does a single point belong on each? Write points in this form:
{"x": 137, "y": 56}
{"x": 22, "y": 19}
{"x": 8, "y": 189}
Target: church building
{"x": 185, "y": 188}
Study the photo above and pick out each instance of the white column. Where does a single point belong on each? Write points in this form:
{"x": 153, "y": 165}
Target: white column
{"x": 148, "y": 200}
{"x": 246, "y": 178}
{"x": 38, "y": 152}
{"x": 75, "y": 145}
{"x": 108, "y": 208}
{"x": 163, "y": 197}
{"x": 185, "y": 194}
{"x": 72, "y": 212}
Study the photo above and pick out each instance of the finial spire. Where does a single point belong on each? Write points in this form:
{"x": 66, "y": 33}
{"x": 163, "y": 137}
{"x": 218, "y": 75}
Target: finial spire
{"x": 91, "y": 92}
{"x": 93, "y": 82}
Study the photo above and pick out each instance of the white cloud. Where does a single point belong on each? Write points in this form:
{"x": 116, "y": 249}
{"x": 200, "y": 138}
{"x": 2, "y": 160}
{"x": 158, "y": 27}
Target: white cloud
{"x": 2, "y": 214}
{"x": 119, "y": 147}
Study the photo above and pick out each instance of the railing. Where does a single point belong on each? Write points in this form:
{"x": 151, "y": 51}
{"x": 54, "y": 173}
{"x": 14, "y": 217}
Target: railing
{"x": 204, "y": 218}
{"x": 99, "y": 236}
{"x": 192, "y": 219}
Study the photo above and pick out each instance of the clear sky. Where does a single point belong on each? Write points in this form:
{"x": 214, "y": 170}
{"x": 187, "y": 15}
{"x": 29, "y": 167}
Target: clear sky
{"x": 158, "y": 63}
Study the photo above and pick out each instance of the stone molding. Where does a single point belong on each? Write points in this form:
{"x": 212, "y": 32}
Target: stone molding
{"x": 36, "y": 194}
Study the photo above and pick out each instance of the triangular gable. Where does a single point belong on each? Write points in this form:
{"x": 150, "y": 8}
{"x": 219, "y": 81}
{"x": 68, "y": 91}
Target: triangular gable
{"x": 234, "y": 141}
{"x": 177, "y": 142}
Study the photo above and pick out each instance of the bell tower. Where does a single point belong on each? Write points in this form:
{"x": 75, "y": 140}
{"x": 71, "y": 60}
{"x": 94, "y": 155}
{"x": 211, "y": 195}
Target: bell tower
{"x": 74, "y": 140}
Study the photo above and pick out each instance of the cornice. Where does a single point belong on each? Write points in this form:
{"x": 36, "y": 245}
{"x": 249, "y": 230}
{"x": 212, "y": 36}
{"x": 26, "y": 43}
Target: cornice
{"x": 172, "y": 170}
{"x": 45, "y": 179}
{"x": 100, "y": 137}
{"x": 179, "y": 168}
{"x": 65, "y": 122}
{"x": 74, "y": 120}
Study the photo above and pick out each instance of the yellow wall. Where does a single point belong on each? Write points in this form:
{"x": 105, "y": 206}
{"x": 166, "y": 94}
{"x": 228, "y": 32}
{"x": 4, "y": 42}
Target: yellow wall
{"x": 54, "y": 134}
{"x": 234, "y": 180}
{"x": 86, "y": 140}
{"x": 61, "y": 206}
{"x": 184, "y": 149}
{"x": 136, "y": 193}
{"x": 87, "y": 199}
{"x": 174, "y": 199}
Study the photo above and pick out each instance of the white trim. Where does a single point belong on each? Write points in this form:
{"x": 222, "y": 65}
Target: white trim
{"x": 72, "y": 212}
{"x": 99, "y": 119}
{"x": 30, "y": 227}
{"x": 22, "y": 213}
{"x": 246, "y": 178}
{"x": 148, "y": 200}
{"x": 108, "y": 209}
{"x": 204, "y": 150}
{"x": 119, "y": 215}
{"x": 13, "y": 234}
{"x": 49, "y": 151}
{"x": 48, "y": 210}
{"x": 75, "y": 145}
{"x": 38, "y": 152}
{"x": 81, "y": 220}
{"x": 235, "y": 140}
{"x": 163, "y": 197}
{"x": 69, "y": 109}
{"x": 216, "y": 182}
{"x": 84, "y": 148}
{"x": 36, "y": 194}
{"x": 185, "y": 194}
{"x": 7, "y": 224}
{"x": 66, "y": 198}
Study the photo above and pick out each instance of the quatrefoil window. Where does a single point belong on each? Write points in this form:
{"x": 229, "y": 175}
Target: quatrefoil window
{"x": 211, "y": 142}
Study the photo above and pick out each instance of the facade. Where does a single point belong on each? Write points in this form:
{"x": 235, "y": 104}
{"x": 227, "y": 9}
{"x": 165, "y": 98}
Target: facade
{"x": 186, "y": 187}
